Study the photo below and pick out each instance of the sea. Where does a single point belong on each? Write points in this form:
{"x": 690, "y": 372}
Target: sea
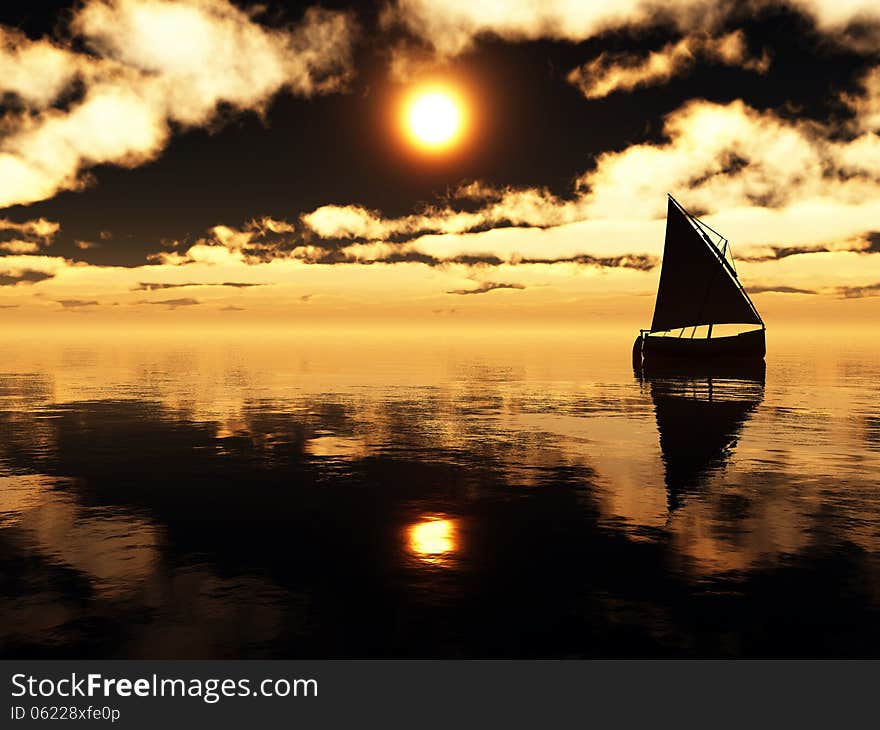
{"x": 475, "y": 494}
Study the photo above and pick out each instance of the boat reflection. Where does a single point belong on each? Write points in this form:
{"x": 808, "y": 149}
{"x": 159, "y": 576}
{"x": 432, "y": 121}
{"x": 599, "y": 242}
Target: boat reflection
{"x": 700, "y": 412}
{"x": 434, "y": 540}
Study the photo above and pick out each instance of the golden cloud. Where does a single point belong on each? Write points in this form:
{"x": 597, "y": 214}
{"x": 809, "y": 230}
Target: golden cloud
{"x": 866, "y": 107}
{"x": 27, "y": 237}
{"x": 453, "y": 26}
{"x": 608, "y": 73}
{"x": 151, "y": 62}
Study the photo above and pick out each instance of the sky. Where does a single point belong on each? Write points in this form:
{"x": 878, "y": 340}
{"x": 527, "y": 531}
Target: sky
{"x": 210, "y": 163}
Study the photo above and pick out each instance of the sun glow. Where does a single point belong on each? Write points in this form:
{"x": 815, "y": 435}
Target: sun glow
{"x": 433, "y": 540}
{"x": 434, "y": 119}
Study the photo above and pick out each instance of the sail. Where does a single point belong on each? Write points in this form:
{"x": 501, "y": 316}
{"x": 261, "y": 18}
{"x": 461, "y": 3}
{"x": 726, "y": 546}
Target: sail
{"x": 696, "y": 288}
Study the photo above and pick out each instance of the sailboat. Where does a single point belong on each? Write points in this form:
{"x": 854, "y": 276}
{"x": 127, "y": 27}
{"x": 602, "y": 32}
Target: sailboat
{"x": 698, "y": 287}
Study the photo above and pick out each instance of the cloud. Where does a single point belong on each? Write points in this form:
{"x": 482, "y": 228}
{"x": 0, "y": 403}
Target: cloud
{"x": 608, "y": 73}
{"x": 150, "y": 64}
{"x": 725, "y": 156}
{"x": 508, "y": 206}
{"x": 485, "y": 287}
{"x": 27, "y": 237}
{"x": 157, "y": 286}
{"x": 26, "y": 276}
{"x": 866, "y": 104}
{"x": 77, "y": 303}
{"x": 872, "y": 242}
{"x": 39, "y": 228}
{"x": 854, "y": 23}
{"x": 232, "y": 308}
{"x": 781, "y": 289}
{"x": 266, "y": 226}
{"x": 259, "y": 240}
{"x": 782, "y": 252}
{"x": 858, "y": 292}
{"x": 174, "y": 303}
{"x": 452, "y": 27}
{"x": 868, "y": 243}
{"x": 405, "y": 242}
{"x": 639, "y": 262}
{"x": 19, "y": 247}
{"x": 832, "y": 14}
{"x": 86, "y": 245}
{"x": 419, "y": 251}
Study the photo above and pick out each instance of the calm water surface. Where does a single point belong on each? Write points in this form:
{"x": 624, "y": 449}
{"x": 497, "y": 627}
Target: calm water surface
{"x": 435, "y": 497}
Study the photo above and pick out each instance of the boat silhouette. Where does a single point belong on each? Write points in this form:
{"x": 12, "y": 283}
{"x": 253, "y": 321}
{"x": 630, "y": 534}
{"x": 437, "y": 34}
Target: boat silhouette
{"x": 698, "y": 287}
{"x": 700, "y": 413}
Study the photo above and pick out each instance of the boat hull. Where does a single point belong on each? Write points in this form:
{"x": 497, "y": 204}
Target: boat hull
{"x": 745, "y": 346}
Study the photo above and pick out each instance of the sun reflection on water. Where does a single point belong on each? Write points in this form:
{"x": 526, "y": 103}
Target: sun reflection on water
{"x": 434, "y": 540}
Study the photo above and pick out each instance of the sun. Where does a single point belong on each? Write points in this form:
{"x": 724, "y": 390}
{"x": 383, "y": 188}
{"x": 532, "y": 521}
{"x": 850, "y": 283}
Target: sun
{"x": 434, "y": 119}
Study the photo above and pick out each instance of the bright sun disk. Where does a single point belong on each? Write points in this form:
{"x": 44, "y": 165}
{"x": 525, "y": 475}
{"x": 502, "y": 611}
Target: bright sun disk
{"x": 434, "y": 119}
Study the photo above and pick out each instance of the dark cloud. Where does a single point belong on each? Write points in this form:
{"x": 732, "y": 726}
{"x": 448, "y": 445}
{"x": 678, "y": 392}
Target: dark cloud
{"x": 779, "y": 290}
{"x": 858, "y": 292}
{"x": 472, "y": 260}
{"x": 231, "y": 308}
{"x": 487, "y": 286}
{"x": 149, "y": 286}
{"x": 9, "y": 306}
{"x": 340, "y": 256}
{"x": 782, "y": 252}
{"x": 26, "y": 276}
{"x": 8, "y": 236}
{"x": 873, "y": 239}
{"x": 639, "y": 262}
{"x": 77, "y": 303}
{"x": 174, "y": 303}
{"x": 156, "y": 286}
